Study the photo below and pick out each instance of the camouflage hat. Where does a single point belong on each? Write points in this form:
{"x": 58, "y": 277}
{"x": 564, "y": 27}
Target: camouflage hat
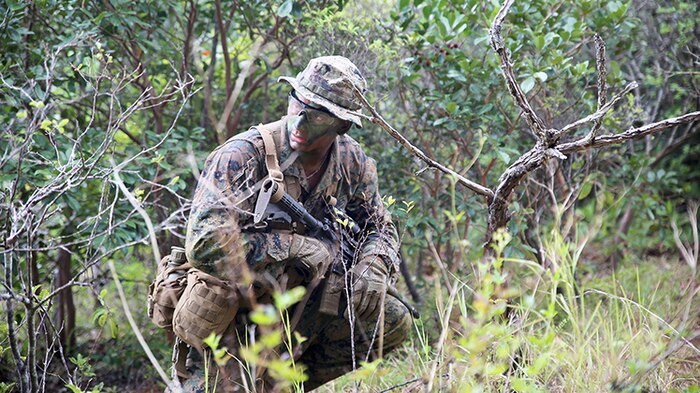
{"x": 327, "y": 81}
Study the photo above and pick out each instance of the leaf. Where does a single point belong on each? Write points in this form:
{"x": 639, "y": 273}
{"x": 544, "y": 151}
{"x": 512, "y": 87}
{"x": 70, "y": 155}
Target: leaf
{"x": 272, "y": 339}
{"x": 212, "y": 341}
{"x": 585, "y": 190}
{"x": 542, "y": 76}
{"x": 503, "y": 156}
{"x": 113, "y": 328}
{"x": 539, "y": 42}
{"x": 265, "y": 315}
{"x": 285, "y": 9}
{"x": 21, "y": 114}
{"x": 286, "y": 299}
{"x": 74, "y": 388}
{"x": 46, "y": 125}
{"x": 527, "y": 84}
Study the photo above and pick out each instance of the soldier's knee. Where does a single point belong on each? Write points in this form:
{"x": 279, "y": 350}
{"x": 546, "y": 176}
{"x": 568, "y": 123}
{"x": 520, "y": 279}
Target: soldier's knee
{"x": 397, "y": 323}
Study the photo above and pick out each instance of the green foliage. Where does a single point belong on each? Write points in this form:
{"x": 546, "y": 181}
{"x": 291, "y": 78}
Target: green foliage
{"x": 144, "y": 85}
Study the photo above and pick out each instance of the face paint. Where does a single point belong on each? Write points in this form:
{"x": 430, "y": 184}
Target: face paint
{"x": 315, "y": 114}
{"x": 305, "y": 136}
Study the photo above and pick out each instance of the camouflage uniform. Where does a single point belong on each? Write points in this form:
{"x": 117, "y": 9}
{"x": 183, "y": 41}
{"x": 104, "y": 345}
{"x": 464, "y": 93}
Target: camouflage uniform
{"x": 222, "y": 206}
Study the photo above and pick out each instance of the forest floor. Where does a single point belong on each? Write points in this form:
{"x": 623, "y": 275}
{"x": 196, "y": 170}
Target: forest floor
{"x": 621, "y": 334}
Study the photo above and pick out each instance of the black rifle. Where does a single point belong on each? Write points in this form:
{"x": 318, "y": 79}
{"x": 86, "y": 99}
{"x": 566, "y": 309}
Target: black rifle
{"x": 339, "y": 230}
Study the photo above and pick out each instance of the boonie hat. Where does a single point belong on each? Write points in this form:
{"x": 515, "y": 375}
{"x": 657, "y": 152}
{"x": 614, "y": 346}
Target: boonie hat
{"x": 327, "y": 81}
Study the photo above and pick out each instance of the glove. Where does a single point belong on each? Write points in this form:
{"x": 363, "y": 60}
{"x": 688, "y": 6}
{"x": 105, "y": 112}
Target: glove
{"x": 369, "y": 283}
{"x": 310, "y": 256}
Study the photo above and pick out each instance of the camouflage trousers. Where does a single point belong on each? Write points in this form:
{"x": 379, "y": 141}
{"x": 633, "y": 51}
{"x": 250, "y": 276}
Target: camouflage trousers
{"x": 326, "y": 354}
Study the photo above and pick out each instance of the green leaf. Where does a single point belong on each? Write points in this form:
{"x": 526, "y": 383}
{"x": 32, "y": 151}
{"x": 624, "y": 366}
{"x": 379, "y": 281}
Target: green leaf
{"x": 113, "y": 328}
{"x": 542, "y": 76}
{"x": 585, "y": 190}
{"x": 539, "y": 42}
{"x": 527, "y": 84}
{"x": 74, "y": 388}
{"x": 272, "y": 339}
{"x": 285, "y": 9}
{"x": 212, "y": 341}
{"x": 22, "y": 114}
{"x": 286, "y": 299}
{"x": 46, "y": 125}
{"x": 265, "y": 315}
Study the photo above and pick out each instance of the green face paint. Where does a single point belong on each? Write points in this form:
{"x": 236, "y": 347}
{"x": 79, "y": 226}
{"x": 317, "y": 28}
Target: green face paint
{"x": 303, "y": 134}
{"x": 314, "y": 114}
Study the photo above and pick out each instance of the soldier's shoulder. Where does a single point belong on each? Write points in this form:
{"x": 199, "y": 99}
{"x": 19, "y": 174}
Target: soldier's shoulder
{"x": 246, "y": 143}
{"x": 350, "y": 150}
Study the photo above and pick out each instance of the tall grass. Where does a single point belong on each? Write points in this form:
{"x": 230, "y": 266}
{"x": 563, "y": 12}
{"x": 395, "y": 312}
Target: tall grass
{"x": 515, "y": 326}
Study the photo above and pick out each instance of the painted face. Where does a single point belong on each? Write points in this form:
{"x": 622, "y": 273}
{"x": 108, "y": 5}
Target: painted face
{"x": 310, "y": 128}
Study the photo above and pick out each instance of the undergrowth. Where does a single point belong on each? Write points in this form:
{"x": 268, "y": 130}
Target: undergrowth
{"x": 515, "y": 326}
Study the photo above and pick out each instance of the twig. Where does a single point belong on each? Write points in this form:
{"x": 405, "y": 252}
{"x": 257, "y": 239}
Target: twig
{"x": 602, "y": 87}
{"x": 139, "y": 209}
{"x": 599, "y": 113}
{"x": 379, "y": 120}
{"x": 630, "y": 134}
{"x": 536, "y": 124}
{"x": 410, "y": 381}
{"x": 174, "y": 385}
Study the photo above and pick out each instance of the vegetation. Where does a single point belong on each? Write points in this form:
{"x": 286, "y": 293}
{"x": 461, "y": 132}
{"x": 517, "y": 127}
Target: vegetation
{"x": 109, "y": 108}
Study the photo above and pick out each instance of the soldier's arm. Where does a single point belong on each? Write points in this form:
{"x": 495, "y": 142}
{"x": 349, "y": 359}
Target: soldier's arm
{"x": 214, "y": 242}
{"x": 368, "y": 210}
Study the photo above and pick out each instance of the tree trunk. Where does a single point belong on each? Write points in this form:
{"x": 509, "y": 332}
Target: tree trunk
{"x": 66, "y": 306}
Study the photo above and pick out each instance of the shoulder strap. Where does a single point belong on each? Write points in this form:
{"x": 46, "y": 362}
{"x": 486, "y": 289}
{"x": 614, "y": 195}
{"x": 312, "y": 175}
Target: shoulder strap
{"x": 271, "y": 132}
{"x": 271, "y": 162}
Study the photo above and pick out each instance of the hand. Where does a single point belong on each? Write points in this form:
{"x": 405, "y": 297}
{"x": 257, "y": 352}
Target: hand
{"x": 311, "y": 255}
{"x": 369, "y": 283}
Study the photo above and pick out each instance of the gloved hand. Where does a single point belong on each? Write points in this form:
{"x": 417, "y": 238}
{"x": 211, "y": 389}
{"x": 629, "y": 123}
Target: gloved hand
{"x": 311, "y": 256}
{"x": 369, "y": 283}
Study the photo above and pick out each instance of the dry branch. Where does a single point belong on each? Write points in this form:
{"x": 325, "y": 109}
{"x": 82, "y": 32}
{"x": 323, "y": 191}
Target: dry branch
{"x": 379, "y": 120}
{"x": 536, "y": 124}
{"x": 548, "y": 144}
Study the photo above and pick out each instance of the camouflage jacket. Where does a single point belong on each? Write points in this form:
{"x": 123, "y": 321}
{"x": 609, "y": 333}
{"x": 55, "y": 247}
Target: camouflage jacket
{"x": 223, "y": 203}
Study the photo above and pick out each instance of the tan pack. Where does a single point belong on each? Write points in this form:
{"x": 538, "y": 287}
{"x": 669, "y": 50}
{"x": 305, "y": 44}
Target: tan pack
{"x": 167, "y": 288}
{"x": 208, "y": 305}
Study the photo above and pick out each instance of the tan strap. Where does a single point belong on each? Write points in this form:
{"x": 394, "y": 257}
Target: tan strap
{"x": 275, "y": 129}
{"x": 180, "y": 359}
{"x": 271, "y": 162}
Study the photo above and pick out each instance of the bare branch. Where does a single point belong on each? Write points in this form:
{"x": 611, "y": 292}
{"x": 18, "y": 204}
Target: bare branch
{"x": 536, "y": 124}
{"x": 632, "y": 133}
{"x": 379, "y": 120}
{"x": 137, "y": 206}
{"x": 600, "y": 61}
{"x": 599, "y": 113}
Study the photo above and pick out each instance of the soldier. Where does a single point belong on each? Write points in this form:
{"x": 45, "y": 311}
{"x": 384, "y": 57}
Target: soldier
{"x": 321, "y": 165}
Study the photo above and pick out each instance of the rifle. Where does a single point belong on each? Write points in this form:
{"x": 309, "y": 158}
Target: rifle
{"x": 343, "y": 232}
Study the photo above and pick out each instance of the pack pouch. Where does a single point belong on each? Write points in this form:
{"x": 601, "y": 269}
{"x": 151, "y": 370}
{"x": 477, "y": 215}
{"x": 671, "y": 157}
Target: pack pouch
{"x": 165, "y": 292}
{"x": 207, "y": 305}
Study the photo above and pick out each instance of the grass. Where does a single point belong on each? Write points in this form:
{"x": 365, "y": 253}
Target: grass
{"x": 601, "y": 333}
{"x": 510, "y": 325}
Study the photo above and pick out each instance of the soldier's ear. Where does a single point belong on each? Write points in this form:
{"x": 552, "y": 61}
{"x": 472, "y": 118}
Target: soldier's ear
{"x": 345, "y": 127}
